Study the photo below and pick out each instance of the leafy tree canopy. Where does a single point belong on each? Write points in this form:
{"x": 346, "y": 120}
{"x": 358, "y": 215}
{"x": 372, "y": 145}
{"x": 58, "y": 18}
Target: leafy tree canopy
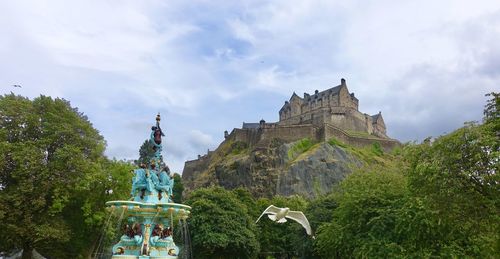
{"x": 178, "y": 188}
{"x": 52, "y": 172}
{"x": 220, "y": 225}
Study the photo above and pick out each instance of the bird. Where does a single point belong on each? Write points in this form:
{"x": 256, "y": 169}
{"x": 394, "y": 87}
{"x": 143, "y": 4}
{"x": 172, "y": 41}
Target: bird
{"x": 16, "y": 86}
{"x": 281, "y": 214}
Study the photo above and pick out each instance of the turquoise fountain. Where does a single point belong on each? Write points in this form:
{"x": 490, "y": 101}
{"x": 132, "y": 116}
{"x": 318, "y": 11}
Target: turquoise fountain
{"x": 150, "y": 212}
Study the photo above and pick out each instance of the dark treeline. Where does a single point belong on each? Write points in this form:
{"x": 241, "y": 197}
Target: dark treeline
{"x": 439, "y": 198}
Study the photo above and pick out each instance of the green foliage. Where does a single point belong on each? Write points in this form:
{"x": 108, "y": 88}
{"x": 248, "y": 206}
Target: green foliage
{"x": 456, "y": 179}
{"x": 146, "y": 151}
{"x": 377, "y": 149}
{"x": 442, "y": 201}
{"x": 221, "y": 226}
{"x": 336, "y": 142}
{"x": 282, "y": 240}
{"x": 49, "y": 157}
{"x": 178, "y": 188}
{"x": 364, "y": 222}
{"x": 299, "y": 147}
{"x": 492, "y": 109}
{"x": 238, "y": 147}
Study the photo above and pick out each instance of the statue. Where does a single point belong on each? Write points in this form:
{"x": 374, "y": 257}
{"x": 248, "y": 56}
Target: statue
{"x": 157, "y": 230}
{"x": 155, "y": 140}
{"x": 166, "y": 233}
{"x": 164, "y": 182}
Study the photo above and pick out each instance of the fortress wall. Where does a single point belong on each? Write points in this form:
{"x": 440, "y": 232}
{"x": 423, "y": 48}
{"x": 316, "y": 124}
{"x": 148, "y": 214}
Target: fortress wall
{"x": 379, "y": 131}
{"x": 250, "y": 136}
{"x": 194, "y": 167}
{"x": 291, "y": 121}
{"x": 334, "y": 101}
{"x": 369, "y": 123}
{"x": 335, "y": 132}
{"x": 358, "y": 121}
{"x": 290, "y": 133}
{"x": 348, "y": 119}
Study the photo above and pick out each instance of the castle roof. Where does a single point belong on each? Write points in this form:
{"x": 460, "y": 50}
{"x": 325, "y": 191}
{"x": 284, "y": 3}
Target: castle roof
{"x": 333, "y": 90}
{"x": 252, "y": 125}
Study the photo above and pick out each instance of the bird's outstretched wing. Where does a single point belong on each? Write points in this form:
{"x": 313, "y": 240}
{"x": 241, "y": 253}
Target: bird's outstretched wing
{"x": 270, "y": 210}
{"x": 301, "y": 218}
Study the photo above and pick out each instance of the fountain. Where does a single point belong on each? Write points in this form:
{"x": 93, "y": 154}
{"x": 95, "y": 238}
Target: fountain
{"x": 150, "y": 212}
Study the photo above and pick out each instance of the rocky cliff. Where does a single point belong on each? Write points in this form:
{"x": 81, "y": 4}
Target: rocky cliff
{"x": 278, "y": 168}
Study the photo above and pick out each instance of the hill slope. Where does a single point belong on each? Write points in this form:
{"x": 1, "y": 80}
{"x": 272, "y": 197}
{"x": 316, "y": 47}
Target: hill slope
{"x": 301, "y": 167}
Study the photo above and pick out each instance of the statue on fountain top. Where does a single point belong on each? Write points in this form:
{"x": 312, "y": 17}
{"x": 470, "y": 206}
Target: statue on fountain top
{"x": 154, "y": 178}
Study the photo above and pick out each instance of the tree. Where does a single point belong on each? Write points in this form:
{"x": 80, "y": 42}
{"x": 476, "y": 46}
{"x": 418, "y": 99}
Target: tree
{"x": 220, "y": 225}
{"x": 455, "y": 178}
{"x": 146, "y": 152}
{"x": 282, "y": 240}
{"x": 49, "y": 153}
{"x": 492, "y": 109}
{"x": 178, "y": 188}
{"x": 364, "y": 223}
{"x": 319, "y": 211}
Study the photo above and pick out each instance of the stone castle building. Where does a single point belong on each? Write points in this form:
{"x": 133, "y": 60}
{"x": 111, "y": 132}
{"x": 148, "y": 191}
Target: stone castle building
{"x": 332, "y": 113}
{"x": 334, "y": 106}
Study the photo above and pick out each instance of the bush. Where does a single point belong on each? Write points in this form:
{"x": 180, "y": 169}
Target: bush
{"x": 238, "y": 147}
{"x": 377, "y": 149}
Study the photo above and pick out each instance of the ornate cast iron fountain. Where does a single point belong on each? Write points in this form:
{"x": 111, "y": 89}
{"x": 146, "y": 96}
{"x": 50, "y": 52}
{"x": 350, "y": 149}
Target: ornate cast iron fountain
{"x": 150, "y": 212}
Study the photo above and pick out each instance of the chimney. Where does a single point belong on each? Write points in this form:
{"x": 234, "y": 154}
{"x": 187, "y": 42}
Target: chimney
{"x": 342, "y": 81}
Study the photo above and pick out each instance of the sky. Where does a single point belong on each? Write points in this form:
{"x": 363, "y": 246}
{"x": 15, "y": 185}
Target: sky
{"x": 208, "y": 66}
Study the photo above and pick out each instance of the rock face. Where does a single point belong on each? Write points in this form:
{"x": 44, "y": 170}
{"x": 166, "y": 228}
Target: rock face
{"x": 276, "y": 169}
{"x": 316, "y": 173}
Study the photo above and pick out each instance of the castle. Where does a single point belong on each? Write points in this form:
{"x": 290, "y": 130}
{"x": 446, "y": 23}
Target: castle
{"x": 334, "y": 106}
{"x": 321, "y": 116}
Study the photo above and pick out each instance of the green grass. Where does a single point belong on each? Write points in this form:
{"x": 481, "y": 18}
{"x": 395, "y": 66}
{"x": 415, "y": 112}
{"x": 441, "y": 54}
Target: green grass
{"x": 377, "y": 149}
{"x": 238, "y": 147}
{"x": 300, "y": 147}
{"x": 361, "y": 134}
{"x": 372, "y": 154}
{"x": 336, "y": 142}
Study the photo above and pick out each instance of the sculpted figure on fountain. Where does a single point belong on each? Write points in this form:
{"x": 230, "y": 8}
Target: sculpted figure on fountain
{"x": 154, "y": 178}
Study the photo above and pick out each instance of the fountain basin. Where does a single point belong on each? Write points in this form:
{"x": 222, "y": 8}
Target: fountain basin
{"x": 135, "y": 208}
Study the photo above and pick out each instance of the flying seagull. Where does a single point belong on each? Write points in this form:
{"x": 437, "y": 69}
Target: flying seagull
{"x": 280, "y": 214}
{"x": 16, "y": 86}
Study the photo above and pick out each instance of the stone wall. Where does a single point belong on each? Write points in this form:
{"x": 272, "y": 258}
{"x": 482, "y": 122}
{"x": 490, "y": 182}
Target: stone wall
{"x": 345, "y": 99}
{"x": 270, "y": 131}
{"x": 331, "y": 131}
{"x": 193, "y": 168}
{"x": 289, "y": 133}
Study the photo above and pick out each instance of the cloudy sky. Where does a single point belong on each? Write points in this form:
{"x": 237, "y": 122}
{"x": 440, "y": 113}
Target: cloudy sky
{"x": 207, "y": 66}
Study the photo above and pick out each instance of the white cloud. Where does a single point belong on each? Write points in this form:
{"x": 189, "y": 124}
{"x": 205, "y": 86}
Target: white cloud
{"x": 425, "y": 64}
{"x": 199, "y": 139}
